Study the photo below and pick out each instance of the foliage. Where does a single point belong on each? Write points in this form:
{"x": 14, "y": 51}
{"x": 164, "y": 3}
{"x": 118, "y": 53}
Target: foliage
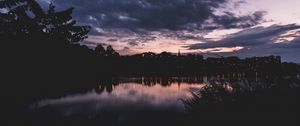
{"x": 239, "y": 103}
{"x": 109, "y": 52}
{"x": 25, "y": 20}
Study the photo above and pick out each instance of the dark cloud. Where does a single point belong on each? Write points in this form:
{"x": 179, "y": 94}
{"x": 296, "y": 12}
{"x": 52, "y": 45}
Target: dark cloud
{"x": 249, "y": 37}
{"x": 239, "y": 3}
{"x": 148, "y": 14}
{"x": 230, "y": 20}
{"x": 259, "y": 41}
{"x": 112, "y": 40}
{"x": 155, "y": 14}
{"x": 135, "y": 20}
{"x": 132, "y": 42}
{"x": 288, "y": 51}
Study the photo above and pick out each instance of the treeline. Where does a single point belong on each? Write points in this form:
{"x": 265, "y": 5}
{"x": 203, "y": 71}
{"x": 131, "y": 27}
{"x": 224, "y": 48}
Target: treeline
{"x": 192, "y": 64}
{"x": 168, "y": 64}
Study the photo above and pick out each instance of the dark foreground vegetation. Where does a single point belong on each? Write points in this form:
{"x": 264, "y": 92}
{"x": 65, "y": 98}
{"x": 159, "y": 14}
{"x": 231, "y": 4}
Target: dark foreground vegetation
{"x": 41, "y": 56}
{"x": 275, "y": 101}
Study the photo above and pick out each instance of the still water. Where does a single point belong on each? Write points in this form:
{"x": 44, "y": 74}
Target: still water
{"x": 123, "y": 99}
{"x": 137, "y": 101}
{"x": 131, "y": 101}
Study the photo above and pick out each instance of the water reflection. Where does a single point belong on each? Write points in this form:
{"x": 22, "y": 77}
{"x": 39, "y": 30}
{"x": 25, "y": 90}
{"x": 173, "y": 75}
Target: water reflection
{"x": 142, "y": 100}
{"x": 130, "y": 96}
{"x": 119, "y": 95}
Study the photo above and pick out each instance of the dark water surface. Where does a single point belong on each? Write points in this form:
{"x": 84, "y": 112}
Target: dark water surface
{"x": 128, "y": 101}
{"x": 122, "y": 100}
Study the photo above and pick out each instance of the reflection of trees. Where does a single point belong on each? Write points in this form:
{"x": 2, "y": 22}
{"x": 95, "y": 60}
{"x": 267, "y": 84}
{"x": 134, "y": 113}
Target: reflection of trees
{"x": 164, "y": 81}
{"x": 106, "y": 85}
{"x": 237, "y": 80}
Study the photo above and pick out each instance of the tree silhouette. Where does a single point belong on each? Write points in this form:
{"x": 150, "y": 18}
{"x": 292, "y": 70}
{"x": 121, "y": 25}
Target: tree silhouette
{"x": 10, "y": 3}
{"x": 18, "y": 22}
{"x": 33, "y": 38}
{"x": 100, "y": 51}
{"x": 59, "y": 25}
{"x": 111, "y": 52}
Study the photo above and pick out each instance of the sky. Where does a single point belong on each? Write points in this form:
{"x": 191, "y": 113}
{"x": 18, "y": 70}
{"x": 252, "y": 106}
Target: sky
{"x": 243, "y": 28}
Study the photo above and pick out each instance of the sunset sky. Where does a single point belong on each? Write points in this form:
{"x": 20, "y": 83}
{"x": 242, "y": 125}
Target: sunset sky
{"x": 210, "y": 27}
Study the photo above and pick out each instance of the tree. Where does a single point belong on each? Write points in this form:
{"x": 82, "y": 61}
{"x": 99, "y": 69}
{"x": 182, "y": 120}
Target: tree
{"x": 33, "y": 38}
{"x": 165, "y": 54}
{"x": 58, "y": 26}
{"x": 100, "y": 51}
{"x": 10, "y": 3}
{"x": 111, "y": 52}
{"x": 36, "y": 8}
{"x": 14, "y": 21}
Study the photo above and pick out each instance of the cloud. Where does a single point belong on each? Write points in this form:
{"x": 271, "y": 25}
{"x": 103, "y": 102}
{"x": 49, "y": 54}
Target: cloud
{"x": 147, "y": 14}
{"x": 146, "y": 25}
{"x": 230, "y": 20}
{"x": 249, "y": 37}
{"x": 139, "y": 18}
{"x": 219, "y": 50}
{"x": 259, "y": 41}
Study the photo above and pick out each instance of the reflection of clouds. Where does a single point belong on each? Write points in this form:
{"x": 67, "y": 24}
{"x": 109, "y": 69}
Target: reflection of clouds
{"x": 124, "y": 96}
{"x": 155, "y": 95}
